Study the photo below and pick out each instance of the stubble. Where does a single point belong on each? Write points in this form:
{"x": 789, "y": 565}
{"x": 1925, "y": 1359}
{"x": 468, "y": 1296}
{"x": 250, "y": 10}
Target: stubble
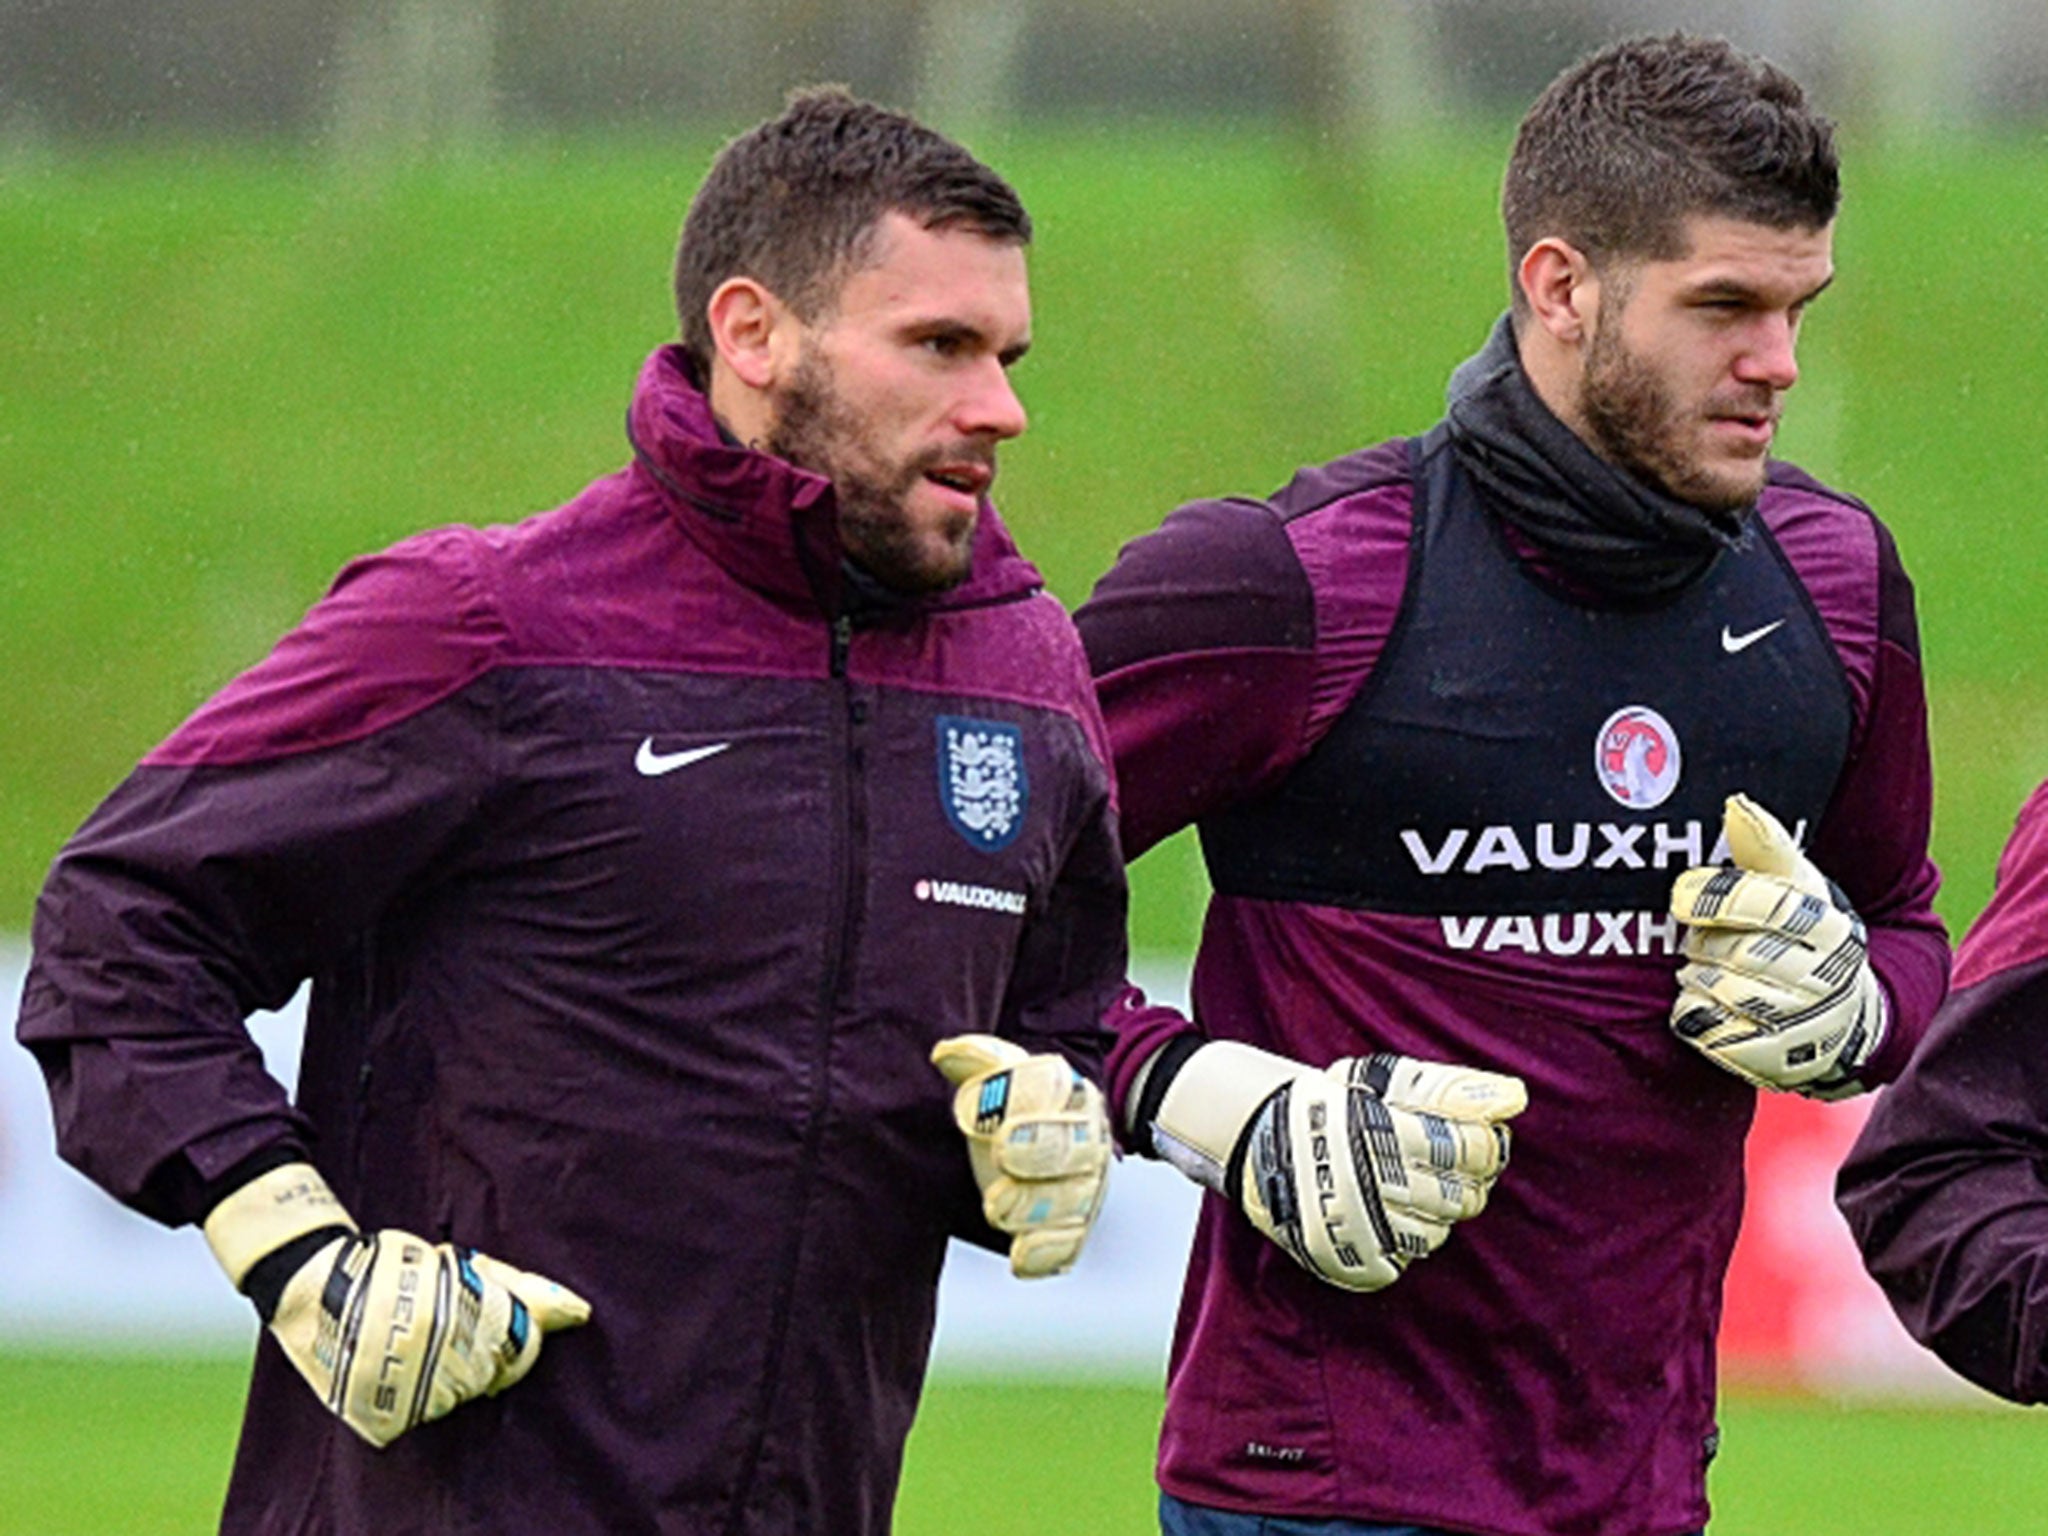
{"x": 817, "y": 428}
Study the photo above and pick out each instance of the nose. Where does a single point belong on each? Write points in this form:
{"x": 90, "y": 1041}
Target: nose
{"x": 1771, "y": 358}
{"x": 990, "y": 407}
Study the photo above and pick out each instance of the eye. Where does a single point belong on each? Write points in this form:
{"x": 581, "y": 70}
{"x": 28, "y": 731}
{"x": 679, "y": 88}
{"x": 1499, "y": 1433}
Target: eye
{"x": 943, "y": 344}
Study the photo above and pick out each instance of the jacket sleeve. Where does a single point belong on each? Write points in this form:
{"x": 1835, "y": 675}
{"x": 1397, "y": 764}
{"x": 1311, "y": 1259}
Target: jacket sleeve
{"x": 239, "y": 859}
{"x": 1946, "y": 1188}
{"x": 1202, "y": 641}
{"x": 1072, "y": 953}
{"x": 1873, "y": 840}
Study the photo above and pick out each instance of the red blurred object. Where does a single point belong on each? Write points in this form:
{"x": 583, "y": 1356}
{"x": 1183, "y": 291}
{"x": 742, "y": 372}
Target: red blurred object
{"x": 1799, "y": 1310}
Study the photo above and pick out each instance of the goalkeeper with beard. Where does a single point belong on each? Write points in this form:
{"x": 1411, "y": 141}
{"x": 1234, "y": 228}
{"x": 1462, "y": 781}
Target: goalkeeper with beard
{"x": 710, "y": 894}
{"x": 1562, "y": 779}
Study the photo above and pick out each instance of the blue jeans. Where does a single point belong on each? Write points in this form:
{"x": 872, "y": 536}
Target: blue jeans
{"x": 1177, "y": 1517}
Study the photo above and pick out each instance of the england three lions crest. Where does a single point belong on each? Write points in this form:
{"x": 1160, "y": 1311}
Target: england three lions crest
{"x": 981, "y": 780}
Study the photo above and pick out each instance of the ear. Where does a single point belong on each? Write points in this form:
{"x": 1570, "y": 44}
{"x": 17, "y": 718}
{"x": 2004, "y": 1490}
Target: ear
{"x": 752, "y": 330}
{"x": 1561, "y": 288}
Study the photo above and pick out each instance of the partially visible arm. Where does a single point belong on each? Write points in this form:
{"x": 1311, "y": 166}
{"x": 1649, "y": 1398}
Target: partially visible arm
{"x": 238, "y": 859}
{"x": 1818, "y": 971}
{"x": 1201, "y": 639}
{"x": 272, "y": 831}
{"x": 1223, "y": 646}
{"x": 1946, "y": 1188}
{"x": 1873, "y": 841}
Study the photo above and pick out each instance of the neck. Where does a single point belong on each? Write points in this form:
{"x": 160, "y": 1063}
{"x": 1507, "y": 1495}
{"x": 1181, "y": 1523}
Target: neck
{"x": 742, "y": 410}
{"x": 1553, "y": 370}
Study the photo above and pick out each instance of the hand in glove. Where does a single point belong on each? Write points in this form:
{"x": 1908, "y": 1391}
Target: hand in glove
{"x": 390, "y": 1329}
{"x": 1777, "y": 986}
{"x": 1356, "y": 1170}
{"x": 1038, "y": 1141}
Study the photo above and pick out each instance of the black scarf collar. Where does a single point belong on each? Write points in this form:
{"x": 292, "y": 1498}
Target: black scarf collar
{"x": 1594, "y": 523}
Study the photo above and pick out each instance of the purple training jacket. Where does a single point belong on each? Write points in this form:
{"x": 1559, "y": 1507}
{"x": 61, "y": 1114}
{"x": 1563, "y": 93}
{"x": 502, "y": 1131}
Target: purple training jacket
{"x": 1946, "y": 1188}
{"x": 636, "y": 869}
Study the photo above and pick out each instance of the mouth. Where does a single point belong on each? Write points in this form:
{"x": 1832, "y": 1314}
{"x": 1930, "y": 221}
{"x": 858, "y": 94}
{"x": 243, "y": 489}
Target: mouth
{"x": 967, "y": 480}
{"x": 1751, "y": 430}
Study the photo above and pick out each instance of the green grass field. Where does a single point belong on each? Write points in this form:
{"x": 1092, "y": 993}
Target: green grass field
{"x": 117, "y": 1446}
{"x": 223, "y": 373}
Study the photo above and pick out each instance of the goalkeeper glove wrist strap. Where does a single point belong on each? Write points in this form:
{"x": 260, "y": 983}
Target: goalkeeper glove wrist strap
{"x": 268, "y": 1276}
{"x": 1154, "y": 1078}
{"x": 247, "y": 1171}
{"x": 271, "y": 1210}
{"x": 1205, "y": 1110}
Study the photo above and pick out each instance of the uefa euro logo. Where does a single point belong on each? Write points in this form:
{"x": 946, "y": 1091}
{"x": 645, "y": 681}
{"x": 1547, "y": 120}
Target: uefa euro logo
{"x": 981, "y": 780}
{"x": 1636, "y": 756}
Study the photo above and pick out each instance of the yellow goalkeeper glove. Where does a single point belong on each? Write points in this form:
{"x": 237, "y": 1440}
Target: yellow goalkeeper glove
{"x": 390, "y": 1329}
{"x": 1038, "y": 1141}
{"x": 1356, "y": 1170}
{"x": 1777, "y": 986}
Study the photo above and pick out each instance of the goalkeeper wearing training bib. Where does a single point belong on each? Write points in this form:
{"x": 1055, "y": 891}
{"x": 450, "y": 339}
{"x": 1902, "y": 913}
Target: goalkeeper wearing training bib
{"x": 1562, "y": 779}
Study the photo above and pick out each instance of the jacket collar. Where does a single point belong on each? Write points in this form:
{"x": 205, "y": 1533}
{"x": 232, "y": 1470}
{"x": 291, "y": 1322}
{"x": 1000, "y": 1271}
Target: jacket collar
{"x": 772, "y": 524}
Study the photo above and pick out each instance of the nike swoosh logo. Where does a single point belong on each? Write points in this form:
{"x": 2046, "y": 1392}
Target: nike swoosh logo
{"x": 654, "y": 764}
{"x": 1732, "y": 642}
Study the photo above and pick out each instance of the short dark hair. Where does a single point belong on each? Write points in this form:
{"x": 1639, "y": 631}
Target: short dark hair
{"x": 1631, "y": 141}
{"x": 794, "y": 204}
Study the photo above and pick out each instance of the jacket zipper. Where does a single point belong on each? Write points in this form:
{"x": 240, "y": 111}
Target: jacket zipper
{"x": 847, "y": 822}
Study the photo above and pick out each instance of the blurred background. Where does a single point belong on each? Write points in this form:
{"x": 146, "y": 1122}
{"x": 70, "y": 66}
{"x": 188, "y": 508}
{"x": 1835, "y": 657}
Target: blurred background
{"x": 286, "y": 281}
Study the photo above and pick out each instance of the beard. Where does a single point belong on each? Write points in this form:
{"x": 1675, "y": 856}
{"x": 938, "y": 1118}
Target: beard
{"x": 1636, "y": 424}
{"x": 818, "y": 429}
